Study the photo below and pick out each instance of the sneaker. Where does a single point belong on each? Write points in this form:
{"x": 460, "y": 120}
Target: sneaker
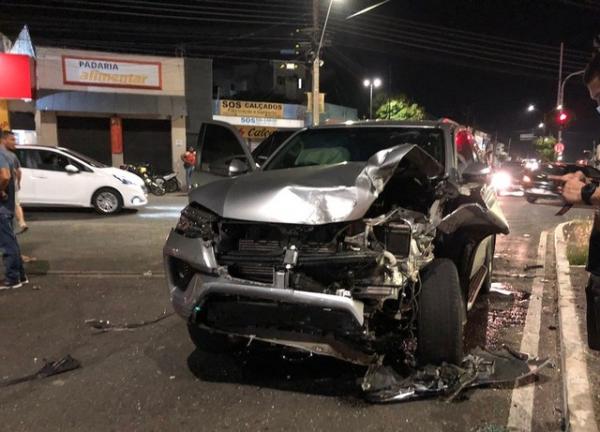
{"x": 6, "y": 285}
{"x": 24, "y": 280}
{"x": 22, "y": 229}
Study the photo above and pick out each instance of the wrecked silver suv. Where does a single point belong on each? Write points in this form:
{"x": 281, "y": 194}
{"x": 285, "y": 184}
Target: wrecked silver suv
{"x": 350, "y": 240}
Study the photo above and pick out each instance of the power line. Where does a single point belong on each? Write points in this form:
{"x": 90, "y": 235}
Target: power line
{"x": 446, "y": 42}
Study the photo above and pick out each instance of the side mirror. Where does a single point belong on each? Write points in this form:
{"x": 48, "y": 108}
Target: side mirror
{"x": 71, "y": 169}
{"x": 476, "y": 172}
{"x": 237, "y": 167}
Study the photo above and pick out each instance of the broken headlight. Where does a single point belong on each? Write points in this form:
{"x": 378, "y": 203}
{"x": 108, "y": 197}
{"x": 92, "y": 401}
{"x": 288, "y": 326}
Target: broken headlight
{"x": 395, "y": 237}
{"x": 195, "y": 222}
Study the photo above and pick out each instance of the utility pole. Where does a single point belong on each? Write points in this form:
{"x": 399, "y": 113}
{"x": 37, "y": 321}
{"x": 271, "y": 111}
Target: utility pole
{"x": 316, "y": 65}
{"x": 559, "y": 102}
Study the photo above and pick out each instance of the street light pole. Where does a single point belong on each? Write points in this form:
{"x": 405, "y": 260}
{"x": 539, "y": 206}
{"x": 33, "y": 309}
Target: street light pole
{"x": 371, "y": 83}
{"x": 317, "y": 59}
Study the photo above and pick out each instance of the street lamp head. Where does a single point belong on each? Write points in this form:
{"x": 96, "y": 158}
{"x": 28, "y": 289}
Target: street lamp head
{"x": 377, "y": 82}
{"x": 367, "y": 83}
{"x": 531, "y": 108}
{"x": 541, "y": 125}
{"x": 559, "y": 107}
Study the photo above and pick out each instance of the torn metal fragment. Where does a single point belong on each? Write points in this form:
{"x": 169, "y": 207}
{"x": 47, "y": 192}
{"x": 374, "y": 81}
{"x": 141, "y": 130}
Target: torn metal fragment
{"x": 382, "y": 384}
{"x": 105, "y": 326}
{"x": 50, "y": 368}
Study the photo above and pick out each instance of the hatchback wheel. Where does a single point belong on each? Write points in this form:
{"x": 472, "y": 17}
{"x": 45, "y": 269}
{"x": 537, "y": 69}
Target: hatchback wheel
{"x": 107, "y": 201}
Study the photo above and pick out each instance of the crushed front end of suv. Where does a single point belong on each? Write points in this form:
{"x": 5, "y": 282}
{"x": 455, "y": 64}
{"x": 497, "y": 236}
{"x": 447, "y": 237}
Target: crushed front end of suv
{"x": 349, "y": 241}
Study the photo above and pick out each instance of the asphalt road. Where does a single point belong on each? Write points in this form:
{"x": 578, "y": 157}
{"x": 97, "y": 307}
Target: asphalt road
{"x": 152, "y": 378}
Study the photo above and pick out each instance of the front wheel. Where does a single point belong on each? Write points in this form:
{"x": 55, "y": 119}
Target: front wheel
{"x": 157, "y": 190}
{"x": 441, "y": 315}
{"x": 107, "y": 201}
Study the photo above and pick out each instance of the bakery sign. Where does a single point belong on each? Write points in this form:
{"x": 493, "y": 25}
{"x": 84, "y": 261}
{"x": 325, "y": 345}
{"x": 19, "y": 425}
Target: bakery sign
{"x": 104, "y": 72}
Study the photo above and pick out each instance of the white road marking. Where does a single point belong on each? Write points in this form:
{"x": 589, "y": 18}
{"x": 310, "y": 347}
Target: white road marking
{"x": 576, "y": 384}
{"x": 521, "y": 404}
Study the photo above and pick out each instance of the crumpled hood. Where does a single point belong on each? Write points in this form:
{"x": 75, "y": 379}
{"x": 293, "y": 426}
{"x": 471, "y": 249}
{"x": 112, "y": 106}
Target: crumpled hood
{"x": 311, "y": 195}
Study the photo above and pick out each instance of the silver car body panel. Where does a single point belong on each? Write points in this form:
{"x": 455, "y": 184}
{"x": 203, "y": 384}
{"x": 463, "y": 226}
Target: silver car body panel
{"x": 311, "y": 195}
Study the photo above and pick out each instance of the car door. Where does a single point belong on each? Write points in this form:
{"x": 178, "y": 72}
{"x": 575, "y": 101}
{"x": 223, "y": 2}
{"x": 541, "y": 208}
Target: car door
{"x": 27, "y": 193}
{"x": 52, "y": 184}
{"x": 219, "y": 144}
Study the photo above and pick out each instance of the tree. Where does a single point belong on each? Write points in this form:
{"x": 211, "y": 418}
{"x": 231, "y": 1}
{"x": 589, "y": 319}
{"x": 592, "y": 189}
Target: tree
{"x": 399, "y": 108}
{"x": 545, "y": 148}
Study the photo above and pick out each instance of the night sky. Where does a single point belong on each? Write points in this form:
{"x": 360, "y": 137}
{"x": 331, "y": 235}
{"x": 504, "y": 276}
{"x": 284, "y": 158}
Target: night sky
{"x": 480, "y": 62}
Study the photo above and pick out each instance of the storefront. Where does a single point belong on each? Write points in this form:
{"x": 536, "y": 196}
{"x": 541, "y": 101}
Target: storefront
{"x": 113, "y": 107}
{"x": 257, "y": 120}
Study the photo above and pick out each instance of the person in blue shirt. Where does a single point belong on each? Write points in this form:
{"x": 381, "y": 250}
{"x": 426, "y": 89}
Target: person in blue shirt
{"x": 15, "y": 275}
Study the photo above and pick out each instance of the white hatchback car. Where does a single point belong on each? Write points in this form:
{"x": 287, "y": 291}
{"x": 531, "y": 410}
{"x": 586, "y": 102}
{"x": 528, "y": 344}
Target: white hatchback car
{"x": 56, "y": 176}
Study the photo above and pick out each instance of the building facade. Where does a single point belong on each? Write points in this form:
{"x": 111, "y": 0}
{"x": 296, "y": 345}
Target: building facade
{"x": 116, "y": 108}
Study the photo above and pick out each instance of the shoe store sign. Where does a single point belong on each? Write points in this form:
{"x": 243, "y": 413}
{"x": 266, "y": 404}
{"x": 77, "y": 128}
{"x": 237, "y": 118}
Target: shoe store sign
{"x": 251, "y": 109}
{"x": 105, "y": 72}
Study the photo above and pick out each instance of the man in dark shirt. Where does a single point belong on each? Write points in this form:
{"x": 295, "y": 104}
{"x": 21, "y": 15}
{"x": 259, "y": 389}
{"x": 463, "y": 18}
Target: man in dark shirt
{"x": 579, "y": 190}
{"x": 11, "y": 253}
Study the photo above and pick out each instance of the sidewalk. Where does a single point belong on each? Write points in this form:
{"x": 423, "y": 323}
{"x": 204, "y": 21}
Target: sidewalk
{"x": 581, "y": 367}
{"x": 579, "y": 279}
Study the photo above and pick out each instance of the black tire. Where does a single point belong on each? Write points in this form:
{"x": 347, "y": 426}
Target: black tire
{"x": 107, "y": 201}
{"x": 489, "y": 262}
{"x": 208, "y": 341}
{"x": 441, "y": 315}
{"x": 157, "y": 190}
{"x": 530, "y": 199}
{"x": 172, "y": 185}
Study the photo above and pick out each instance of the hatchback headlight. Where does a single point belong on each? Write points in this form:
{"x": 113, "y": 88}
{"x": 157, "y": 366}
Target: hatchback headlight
{"x": 196, "y": 223}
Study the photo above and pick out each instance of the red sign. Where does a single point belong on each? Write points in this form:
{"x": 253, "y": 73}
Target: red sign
{"x": 559, "y": 147}
{"x": 15, "y": 76}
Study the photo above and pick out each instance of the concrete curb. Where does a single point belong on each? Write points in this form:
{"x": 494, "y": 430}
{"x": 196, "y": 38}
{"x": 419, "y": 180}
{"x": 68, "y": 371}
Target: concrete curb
{"x": 576, "y": 389}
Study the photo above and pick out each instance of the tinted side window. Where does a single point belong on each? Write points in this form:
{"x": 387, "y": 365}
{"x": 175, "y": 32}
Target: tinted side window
{"x": 218, "y": 147}
{"x": 51, "y": 161}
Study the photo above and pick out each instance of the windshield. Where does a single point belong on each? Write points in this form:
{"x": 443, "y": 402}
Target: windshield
{"x": 86, "y": 159}
{"x": 268, "y": 146}
{"x": 353, "y": 144}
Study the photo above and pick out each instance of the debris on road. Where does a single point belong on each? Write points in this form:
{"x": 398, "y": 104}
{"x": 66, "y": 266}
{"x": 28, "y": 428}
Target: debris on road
{"x": 50, "y": 368}
{"x": 148, "y": 273}
{"x": 500, "y": 288}
{"x": 382, "y": 384}
{"x": 105, "y": 326}
{"x": 533, "y": 267}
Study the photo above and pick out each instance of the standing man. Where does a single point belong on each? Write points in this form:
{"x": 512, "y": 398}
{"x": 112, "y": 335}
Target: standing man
{"x": 189, "y": 163}
{"x": 10, "y": 145}
{"x": 11, "y": 252}
{"x": 578, "y": 190}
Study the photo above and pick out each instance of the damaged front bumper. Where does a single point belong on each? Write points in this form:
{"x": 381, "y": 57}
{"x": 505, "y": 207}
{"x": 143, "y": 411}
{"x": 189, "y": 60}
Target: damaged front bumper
{"x": 204, "y": 294}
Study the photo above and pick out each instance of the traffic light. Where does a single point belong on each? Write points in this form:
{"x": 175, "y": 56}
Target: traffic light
{"x": 563, "y": 118}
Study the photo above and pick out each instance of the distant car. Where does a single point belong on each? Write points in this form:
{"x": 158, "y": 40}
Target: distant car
{"x": 507, "y": 178}
{"x": 268, "y": 146}
{"x": 537, "y": 185}
{"x": 56, "y": 176}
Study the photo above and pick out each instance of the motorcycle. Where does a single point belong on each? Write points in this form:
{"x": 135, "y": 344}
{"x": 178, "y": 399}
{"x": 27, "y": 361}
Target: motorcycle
{"x": 169, "y": 182}
{"x": 143, "y": 171}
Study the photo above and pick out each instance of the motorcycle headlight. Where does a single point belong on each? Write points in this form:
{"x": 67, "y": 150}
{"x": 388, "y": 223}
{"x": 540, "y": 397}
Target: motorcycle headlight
{"x": 123, "y": 180}
{"x": 196, "y": 223}
{"x": 143, "y": 170}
